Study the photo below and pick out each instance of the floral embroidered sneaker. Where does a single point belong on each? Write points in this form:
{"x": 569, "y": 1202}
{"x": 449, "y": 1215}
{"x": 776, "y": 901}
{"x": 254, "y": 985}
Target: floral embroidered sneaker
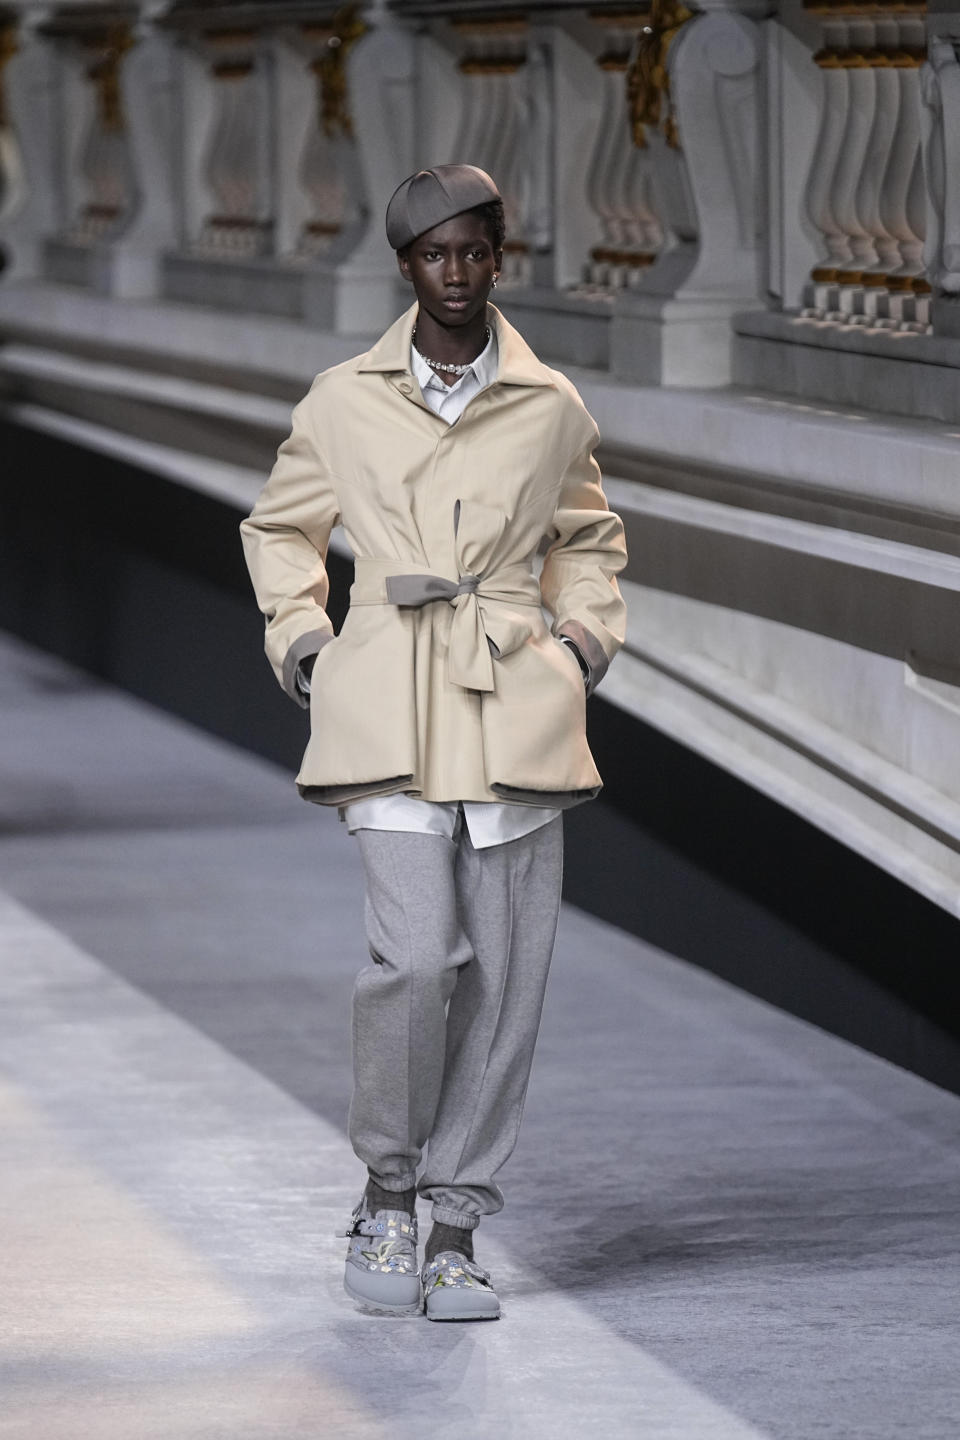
{"x": 382, "y": 1273}
{"x": 455, "y": 1288}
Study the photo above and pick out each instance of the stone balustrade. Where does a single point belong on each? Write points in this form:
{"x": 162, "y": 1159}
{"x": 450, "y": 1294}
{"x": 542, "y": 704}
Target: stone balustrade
{"x": 768, "y": 194}
{"x": 666, "y": 170}
{"x": 866, "y": 194}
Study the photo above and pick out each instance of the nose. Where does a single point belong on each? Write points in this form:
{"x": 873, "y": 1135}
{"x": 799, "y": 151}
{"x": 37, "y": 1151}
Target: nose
{"x": 454, "y": 271}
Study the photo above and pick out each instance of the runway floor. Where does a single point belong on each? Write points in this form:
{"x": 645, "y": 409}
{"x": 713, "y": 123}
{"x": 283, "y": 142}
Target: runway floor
{"x": 721, "y": 1224}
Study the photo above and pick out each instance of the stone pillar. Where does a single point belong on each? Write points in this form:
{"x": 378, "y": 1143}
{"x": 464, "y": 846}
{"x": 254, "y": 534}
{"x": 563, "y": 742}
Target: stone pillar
{"x": 129, "y": 266}
{"x": 360, "y": 294}
{"x": 940, "y": 89}
{"x": 676, "y": 328}
{"x": 30, "y": 210}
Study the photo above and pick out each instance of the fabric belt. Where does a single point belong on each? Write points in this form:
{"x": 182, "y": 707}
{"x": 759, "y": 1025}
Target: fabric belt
{"x": 482, "y": 607}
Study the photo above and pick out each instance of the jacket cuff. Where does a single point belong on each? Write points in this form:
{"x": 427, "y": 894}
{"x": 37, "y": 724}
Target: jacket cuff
{"x": 589, "y": 647}
{"x": 310, "y": 644}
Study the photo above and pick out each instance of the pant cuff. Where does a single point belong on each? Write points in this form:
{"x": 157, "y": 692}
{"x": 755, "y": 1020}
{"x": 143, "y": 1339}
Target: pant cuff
{"x": 457, "y": 1218}
{"x": 395, "y": 1183}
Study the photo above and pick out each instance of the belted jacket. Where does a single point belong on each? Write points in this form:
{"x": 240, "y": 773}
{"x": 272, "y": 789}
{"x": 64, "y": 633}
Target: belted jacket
{"x": 445, "y": 680}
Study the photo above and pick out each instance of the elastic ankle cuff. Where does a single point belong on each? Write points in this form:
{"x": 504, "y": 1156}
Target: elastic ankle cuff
{"x": 457, "y": 1218}
{"x": 395, "y": 1183}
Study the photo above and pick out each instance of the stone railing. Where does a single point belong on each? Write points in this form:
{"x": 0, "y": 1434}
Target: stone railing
{"x": 768, "y": 195}
{"x": 866, "y": 194}
{"x": 665, "y": 168}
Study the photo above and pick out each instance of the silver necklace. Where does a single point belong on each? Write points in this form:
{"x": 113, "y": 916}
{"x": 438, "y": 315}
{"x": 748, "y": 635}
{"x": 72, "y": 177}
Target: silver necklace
{"x": 442, "y": 364}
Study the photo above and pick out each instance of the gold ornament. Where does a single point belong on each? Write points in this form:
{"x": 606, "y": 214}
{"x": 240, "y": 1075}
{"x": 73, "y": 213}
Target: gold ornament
{"x": 648, "y": 79}
{"x": 330, "y": 68}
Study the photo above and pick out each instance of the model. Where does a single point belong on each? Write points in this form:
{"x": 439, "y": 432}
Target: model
{"x": 447, "y": 721}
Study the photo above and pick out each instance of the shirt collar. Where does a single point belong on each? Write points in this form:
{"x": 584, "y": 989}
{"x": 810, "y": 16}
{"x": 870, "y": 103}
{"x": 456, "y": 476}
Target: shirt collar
{"x": 517, "y": 364}
{"x": 484, "y": 367}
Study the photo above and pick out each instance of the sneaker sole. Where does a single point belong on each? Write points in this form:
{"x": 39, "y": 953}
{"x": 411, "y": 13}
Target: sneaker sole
{"x": 458, "y": 1312}
{"x": 377, "y": 1307}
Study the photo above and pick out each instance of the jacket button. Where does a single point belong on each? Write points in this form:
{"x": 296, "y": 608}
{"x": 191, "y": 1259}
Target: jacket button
{"x": 405, "y": 386}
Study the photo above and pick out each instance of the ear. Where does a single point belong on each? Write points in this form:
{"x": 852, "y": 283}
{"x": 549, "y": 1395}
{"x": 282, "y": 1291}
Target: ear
{"x": 498, "y": 260}
{"x": 403, "y": 265}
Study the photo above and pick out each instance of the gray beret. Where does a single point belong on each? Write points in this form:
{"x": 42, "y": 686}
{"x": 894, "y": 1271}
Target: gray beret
{"x": 432, "y": 196}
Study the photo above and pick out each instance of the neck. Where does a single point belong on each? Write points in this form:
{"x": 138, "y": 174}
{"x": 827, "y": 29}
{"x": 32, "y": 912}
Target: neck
{"x": 456, "y": 345}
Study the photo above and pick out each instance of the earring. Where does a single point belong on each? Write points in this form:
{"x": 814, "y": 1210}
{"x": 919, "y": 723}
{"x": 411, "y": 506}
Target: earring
{"x": 494, "y": 282}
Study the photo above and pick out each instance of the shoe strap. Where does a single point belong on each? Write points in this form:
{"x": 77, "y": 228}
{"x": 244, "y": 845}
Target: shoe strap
{"x": 446, "y": 1258}
{"x": 366, "y": 1224}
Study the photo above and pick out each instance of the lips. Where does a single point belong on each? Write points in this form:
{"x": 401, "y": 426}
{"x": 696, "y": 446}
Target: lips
{"x": 456, "y": 303}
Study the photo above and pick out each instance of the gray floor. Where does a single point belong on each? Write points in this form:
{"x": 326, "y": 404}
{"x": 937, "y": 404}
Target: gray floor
{"x": 721, "y": 1224}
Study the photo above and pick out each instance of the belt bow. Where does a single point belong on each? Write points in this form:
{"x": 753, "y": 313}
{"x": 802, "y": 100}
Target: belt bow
{"x": 468, "y": 659}
{"x": 491, "y": 601}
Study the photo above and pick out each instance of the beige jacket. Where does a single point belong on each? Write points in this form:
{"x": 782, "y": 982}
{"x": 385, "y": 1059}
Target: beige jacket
{"x": 444, "y": 681}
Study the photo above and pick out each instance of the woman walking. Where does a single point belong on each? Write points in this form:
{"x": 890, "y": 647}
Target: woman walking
{"x": 447, "y": 719}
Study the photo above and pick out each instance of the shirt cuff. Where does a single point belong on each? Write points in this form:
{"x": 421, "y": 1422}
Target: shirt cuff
{"x": 584, "y": 667}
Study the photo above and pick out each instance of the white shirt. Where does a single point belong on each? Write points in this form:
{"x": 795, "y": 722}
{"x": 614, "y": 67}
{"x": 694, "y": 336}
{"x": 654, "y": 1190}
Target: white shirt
{"x": 488, "y": 822}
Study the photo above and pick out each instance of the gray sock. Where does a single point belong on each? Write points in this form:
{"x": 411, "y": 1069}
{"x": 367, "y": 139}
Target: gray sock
{"x": 379, "y": 1199}
{"x": 448, "y": 1237}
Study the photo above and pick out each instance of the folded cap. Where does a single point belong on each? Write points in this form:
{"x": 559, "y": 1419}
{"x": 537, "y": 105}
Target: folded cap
{"x": 432, "y": 196}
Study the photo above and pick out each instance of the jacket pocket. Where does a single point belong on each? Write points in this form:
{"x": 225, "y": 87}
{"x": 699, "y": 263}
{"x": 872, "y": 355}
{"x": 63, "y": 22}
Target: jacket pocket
{"x": 362, "y": 703}
{"x": 534, "y": 724}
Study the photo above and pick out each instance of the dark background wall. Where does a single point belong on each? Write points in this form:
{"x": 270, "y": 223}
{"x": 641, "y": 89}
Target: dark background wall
{"x": 142, "y": 582}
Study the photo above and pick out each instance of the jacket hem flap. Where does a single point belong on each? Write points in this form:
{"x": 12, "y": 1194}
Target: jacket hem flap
{"x": 346, "y": 794}
{"x": 555, "y": 799}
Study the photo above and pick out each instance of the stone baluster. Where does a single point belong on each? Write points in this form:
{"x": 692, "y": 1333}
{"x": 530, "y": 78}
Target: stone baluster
{"x": 620, "y": 182}
{"x": 830, "y": 141}
{"x": 92, "y": 169}
{"x": 12, "y": 179}
{"x": 845, "y": 192}
{"x": 106, "y": 188}
{"x": 940, "y": 82}
{"x": 30, "y": 205}
{"x": 541, "y": 218}
{"x": 861, "y": 194}
{"x": 902, "y": 194}
{"x": 234, "y": 171}
{"x": 495, "y": 128}
{"x": 328, "y": 167}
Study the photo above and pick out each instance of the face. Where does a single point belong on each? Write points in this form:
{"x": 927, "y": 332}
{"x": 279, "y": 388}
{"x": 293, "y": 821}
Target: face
{"x": 451, "y": 268}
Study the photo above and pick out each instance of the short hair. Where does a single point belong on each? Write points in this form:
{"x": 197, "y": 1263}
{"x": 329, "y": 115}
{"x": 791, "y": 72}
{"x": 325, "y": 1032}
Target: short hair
{"x": 491, "y": 213}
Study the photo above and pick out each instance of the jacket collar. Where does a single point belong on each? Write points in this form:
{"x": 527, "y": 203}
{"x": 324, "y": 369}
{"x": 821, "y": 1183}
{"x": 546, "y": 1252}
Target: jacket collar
{"x": 517, "y": 363}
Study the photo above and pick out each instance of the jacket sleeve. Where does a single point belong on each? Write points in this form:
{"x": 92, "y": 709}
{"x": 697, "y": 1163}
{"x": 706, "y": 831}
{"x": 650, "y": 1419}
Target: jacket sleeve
{"x": 586, "y": 553}
{"x": 285, "y": 540}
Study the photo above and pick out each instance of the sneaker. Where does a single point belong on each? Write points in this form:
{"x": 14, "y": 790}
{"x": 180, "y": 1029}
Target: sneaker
{"x": 381, "y": 1273}
{"x": 455, "y": 1288}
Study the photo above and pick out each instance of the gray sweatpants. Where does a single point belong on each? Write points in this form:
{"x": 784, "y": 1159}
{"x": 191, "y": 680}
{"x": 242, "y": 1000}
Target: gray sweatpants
{"x": 445, "y": 1019}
